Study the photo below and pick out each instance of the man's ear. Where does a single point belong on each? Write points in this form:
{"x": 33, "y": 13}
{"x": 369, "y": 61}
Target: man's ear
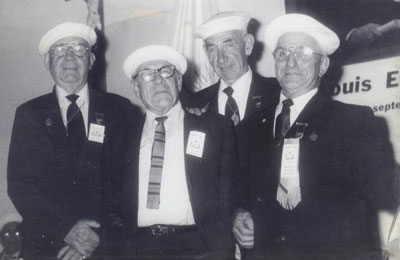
{"x": 135, "y": 88}
{"x": 92, "y": 58}
{"x": 248, "y": 44}
{"x": 46, "y": 61}
{"x": 323, "y": 66}
{"x": 179, "y": 81}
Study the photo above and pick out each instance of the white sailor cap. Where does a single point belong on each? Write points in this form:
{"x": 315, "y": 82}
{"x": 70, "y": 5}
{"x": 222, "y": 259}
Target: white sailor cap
{"x": 66, "y": 30}
{"x": 154, "y": 52}
{"x": 222, "y": 22}
{"x": 328, "y": 39}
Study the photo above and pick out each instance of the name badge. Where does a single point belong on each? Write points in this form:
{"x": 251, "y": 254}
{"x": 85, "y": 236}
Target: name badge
{"x": 195, "y": 143}
{"x": 290, "y": 160}
{"x": 96, "y": 133}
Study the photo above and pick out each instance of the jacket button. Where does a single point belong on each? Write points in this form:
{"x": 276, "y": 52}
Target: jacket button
{"x": 283, "y": 238}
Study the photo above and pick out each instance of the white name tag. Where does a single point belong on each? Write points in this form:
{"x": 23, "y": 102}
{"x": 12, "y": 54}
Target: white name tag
{"x": 96, "y": 133}
{"x": 290, "y": 160}
{"x": 195, "y": 143}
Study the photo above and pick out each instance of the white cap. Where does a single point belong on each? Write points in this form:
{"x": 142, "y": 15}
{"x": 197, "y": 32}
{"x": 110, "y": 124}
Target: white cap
{"x": 328, "y": 39}
{"x": 66, "y": 30}
{"x": 223, "y": 22}
{"x": 154, "y": 52}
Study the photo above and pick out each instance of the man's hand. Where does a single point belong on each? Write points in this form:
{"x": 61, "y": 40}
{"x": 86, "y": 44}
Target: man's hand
{"x": 365, "y": 35}
{"x": 82, "y": 239}
{"x": 67, "y": 253}
{"x": 198, "y": 111}
{"x": 243, "y": 229}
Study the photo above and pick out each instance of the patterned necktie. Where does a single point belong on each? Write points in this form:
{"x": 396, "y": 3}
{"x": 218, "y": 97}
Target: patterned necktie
{"x": 283, "y": 120}
{"x": 231, "y": 108}
{"x": 157, "y": 159}
{"x": 75, "y": 124}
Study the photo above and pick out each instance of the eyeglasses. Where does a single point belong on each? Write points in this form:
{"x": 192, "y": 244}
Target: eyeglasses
{"x": 302, "y": 54}
{"x": 150, "y": 74}
{"x": 79, "y": 50}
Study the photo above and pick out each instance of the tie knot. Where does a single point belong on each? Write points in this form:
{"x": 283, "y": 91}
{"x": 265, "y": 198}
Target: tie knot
{"x": 161, "y": 119}
{"x": 228, "y": 91}
{"x": 72, "y": 98}
{"x": 287, "y": 103}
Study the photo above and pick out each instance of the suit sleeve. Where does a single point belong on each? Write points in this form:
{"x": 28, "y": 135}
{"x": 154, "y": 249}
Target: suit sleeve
{"x": 26, "y": 180}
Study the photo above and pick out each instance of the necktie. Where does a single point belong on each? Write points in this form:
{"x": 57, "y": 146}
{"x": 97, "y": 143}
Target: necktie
{"x": 288, "y": 193}
{"x": 157, "y": 159}
{"x": 283, "y": 120}
{"x": 75, "y": 124}
{"x": 231, "y": 108}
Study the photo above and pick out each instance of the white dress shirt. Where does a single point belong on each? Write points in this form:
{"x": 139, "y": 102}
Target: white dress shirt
{"x": 241, "y": 89}
{"x": 82, "y": 102}
{"x": 298, "y": 105}
{"x": 175, "y": 207}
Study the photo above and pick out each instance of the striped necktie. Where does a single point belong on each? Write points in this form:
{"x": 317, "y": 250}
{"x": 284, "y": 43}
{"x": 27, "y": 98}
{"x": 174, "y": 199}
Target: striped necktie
{"x": 231, "y": 107}
{"x": 157, "y": 159}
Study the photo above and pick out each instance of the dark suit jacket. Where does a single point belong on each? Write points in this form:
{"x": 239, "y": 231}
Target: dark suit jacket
{"x": 208, "y": 180}
{"x": 51, "y": 187}
{"x": 345, "y": 176}
{"x": 261, "y": 95}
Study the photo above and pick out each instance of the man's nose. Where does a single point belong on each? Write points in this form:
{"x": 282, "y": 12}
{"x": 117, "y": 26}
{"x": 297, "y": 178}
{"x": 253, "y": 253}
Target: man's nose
{"x": 291, "y": 60}
{"x": 69, "y": 53}
{"x": 221, "y": 55}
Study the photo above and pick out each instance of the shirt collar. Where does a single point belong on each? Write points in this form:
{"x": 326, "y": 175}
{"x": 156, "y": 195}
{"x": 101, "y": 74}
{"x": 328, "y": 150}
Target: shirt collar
{"x": 62, "y": 94}
{"x": 173, "y": 114}
{"x": 302, "y": 100}
{"x": 241, "y": 84}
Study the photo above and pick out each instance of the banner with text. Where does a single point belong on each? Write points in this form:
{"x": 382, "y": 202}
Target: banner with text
{"x": 375, "y": 84}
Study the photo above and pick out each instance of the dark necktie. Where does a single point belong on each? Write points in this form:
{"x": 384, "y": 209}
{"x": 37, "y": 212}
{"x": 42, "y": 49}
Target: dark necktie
{"x": 282, "y": 124}
{"x": 75, "y": 124}
{"x": 231, "y": 108}
{"x": 157, "y": 159}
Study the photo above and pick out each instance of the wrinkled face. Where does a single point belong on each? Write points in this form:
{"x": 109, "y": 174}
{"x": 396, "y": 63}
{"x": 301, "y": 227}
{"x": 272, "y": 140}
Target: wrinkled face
{"x": 159, "y": 92}
{"x": 69, "y": 61}
{"x": 227, "y": 52}
{"x": 296, "y": 75}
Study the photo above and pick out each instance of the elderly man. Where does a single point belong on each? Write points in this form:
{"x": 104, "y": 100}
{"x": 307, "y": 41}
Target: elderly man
{"x": 240, "y": 92}
{"x": 56, "y": 143}
{"x": 319, "y": 171}
{"x": 169, "y": 175}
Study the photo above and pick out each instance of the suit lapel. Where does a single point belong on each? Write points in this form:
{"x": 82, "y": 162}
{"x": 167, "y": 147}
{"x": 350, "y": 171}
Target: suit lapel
{"x": 52, "y": 120}
{"x": 254, "y": 100}
{"x": 190, "y": 165}
{"x": 131, "y": 172}
{"x": 213, "y": 106}
{"x": 313, "y": 117}
{"x": 91, "y": 151}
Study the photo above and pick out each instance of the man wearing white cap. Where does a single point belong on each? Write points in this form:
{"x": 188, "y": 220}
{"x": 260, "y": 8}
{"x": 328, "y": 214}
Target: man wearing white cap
{"x": 169, "y": 174}
{"x": 240, "y": 92}
{"x": 319, "y": 169}
{"x": 54, "y": 157}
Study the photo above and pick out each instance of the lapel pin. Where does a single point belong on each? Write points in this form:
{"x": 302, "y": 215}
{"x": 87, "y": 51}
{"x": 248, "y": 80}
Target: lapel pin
{"x": 300, "y": 129}
{"x": 48, "y": 122}
{"x": 313, "y": 137}
{"x": 99, "y": 118}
